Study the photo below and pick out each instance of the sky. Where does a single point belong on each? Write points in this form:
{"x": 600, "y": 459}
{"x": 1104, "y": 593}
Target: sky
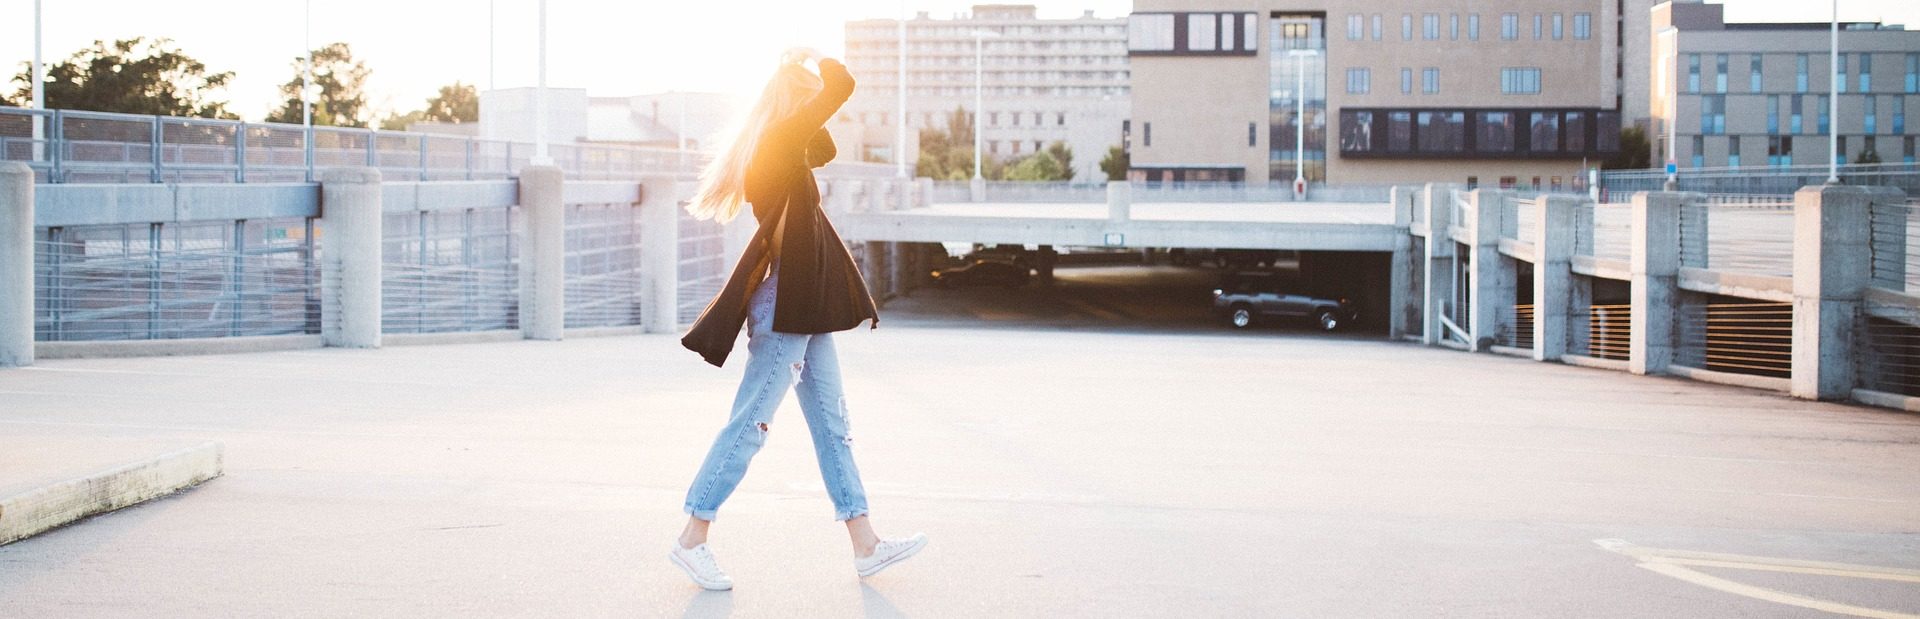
{"x": 611, "y": 48}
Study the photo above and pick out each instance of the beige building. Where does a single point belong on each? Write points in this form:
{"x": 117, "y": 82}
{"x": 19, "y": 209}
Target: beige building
{"x": 1520, "y": 93}
{"x": 1045, "y": 81}
{"x": 1729, "y": 95}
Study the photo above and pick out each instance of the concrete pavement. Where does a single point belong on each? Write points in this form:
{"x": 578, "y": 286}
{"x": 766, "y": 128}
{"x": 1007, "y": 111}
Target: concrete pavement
{"x": 1081, "y": 473}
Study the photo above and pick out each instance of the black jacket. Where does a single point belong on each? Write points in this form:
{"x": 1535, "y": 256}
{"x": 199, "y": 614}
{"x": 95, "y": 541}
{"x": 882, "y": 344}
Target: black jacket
{"x": 821, "y": 289}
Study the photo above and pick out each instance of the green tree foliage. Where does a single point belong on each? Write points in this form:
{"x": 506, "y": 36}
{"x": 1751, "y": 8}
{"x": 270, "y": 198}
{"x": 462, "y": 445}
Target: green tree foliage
{"x": 1055, "y": 163}
{"x": 1867, "y": 156}
{"x": 1635, "y": 152}
{"x": 456, "y": 103}
{"x": 341, "y": 100}
{"x": 947, "y": 155}
{"x": 1116, "y": 164}
{"x": 132, "y": 76}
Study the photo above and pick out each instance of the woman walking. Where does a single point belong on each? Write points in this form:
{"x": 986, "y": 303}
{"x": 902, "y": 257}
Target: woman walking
{"x": 794, "y": 286}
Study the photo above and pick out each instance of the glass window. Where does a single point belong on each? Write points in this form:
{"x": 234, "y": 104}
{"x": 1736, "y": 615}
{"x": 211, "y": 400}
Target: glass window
{"x": 1453, "y": 26}
{"x": 1406, "y": 26}
{"x": 1713, "y": 114}
{"x": 1754, "y": 74}
{"x": 1866, "y": 72}
{"x": 1773, "y": 114}
{"x": 1201, "y": 32}
{"x": 1576, "y": 132}
{"x": 1537, "y": 19}
{"x": 1509, "y": 26}
{"x": 1871, "y": 108}
{"x": 1150, "y": 32}
{"x": 1582, "y": 26}
{"x": 1840, "y": 153}
{"x": 1820, "y": 103}
{"x": 1733, "y": 151}
{"x": 1780, "y": 150}
{"x": 1899, "y": 114}
{"x": 1376, "y": 26}
{"x": 1793, "y": 117}
{"x": 1693, "y": 73}
{"x": 1699, "y": 158}
{"x": 1355, "y": 28}
{"x": 1840, "y": 73}
{"x": 1520, "y": 81}
{"x": 1359, "y": 81}
{"x": 1406, "y": 81}
{"x": 1249, "y": 33}
{"x": 1430, "y": 26}
{"x": 1720, "y": 73}
{"x": 1356, "y": 132}
{"x": 1443, "y": 132}
{"x": 1559, "y": 28}
{"x": 1496, "y": 132}
{"x": 1913, "y": 74}
{"x": 1430, "y": 80}
{"x": 1800, "y": 73}
{"x": 1907, "y": 149}
{"x": 1399, "y": 132}
{"x": 1473, "y": 33}
{"x": 1543, "y": 132}
{"x": 1606, "y": 132}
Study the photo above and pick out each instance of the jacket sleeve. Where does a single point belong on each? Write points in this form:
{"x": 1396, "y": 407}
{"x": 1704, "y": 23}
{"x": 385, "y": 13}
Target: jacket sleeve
{"x": 836, "y": 86}
{"x": 820, "y": 151}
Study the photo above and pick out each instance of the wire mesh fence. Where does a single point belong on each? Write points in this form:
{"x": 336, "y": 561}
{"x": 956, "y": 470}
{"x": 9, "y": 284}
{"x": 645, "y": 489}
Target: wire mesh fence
{"x": 603, "y": 265}
{"x": 1519, "y": 327}
{"x": 1775, "y": 180}
{"x": 1888, "y": 357}
{"x": 1743, "y": 233}
{"x": 172, "y": 281}
{"x": 1741, "y": 337}
{"x": 702, "y": 267}
{"x": 1894, "y": 230}
{"x": 1609, "y": 332}
{"x": 450, "y": 271}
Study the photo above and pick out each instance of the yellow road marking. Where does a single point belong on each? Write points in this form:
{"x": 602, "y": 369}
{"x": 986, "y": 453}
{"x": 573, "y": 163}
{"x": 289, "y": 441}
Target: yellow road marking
{"x": 1675, "y": 564}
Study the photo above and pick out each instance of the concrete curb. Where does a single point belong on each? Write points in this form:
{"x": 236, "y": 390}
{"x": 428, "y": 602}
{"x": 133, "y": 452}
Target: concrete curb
{"x": 47, "y": 507}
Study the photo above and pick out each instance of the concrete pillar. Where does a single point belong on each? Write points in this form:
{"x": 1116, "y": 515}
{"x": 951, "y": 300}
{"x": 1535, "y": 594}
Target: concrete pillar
{"x": 1119, "y": 201}
{"x": 543, "y": 255}
{"x": 660, "y": 254}
{"x": 1832, "y": 267}
{"x": 1654, "y": 272}
{"x": 1438, "y": 262}
{"x": 1491, "y": 287}
{"x": 977, "y": 190}
{"x": 897, "y": 268}
{"x": 351, "y": 217}
{"x": 1402, "y": 299}
{"x": 922, "y": 192}
{"x": 1552, "y": 282}
{"x": 16, "y": 264}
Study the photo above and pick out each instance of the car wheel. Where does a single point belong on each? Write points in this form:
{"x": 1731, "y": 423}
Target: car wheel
{"x": 1240, "y": 317}
{"x": 1327, "y": 320}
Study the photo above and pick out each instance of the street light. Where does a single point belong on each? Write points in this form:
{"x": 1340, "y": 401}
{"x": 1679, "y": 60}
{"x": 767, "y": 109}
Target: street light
{"x": 540, "y": 98}
{"x": 979, "y": 87}
{"x": 1833, "y": 99}
{"x": 39, "y": 89}
{"x": 1300, "y": 119}
{"x": 900, "y": 85}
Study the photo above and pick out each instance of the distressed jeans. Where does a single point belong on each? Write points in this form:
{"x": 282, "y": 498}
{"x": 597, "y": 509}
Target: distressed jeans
{"x": 775, "y": 362}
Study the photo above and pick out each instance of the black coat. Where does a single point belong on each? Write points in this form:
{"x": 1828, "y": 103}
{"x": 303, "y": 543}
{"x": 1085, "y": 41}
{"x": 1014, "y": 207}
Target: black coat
{"x": 821, "y": 289}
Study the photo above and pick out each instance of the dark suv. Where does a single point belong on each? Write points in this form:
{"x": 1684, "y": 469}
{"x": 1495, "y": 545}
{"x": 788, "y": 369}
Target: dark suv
{"x": 1247, "y": 299}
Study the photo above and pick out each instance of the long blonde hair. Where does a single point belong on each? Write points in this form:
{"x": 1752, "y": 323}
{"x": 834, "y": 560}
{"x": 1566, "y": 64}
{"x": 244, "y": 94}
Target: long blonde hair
{"x": 723, "y": 184}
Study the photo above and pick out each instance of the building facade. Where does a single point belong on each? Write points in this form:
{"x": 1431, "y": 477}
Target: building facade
{"x": 1045, "y": 81}
{"x": 1524, "y": 93}
{"x": 1730, "y": 95}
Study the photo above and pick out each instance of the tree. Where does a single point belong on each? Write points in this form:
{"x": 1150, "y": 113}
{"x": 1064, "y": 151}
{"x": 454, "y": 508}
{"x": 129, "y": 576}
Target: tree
{"x": 1055, "y": 163}
{"x": 132, "y": 76}
{"x": 1116, "y": 164}
{"x": 456, "y": 103}
{"x": 1635, "y": 152}
{"x": 948, "y": 155}
{"x": 1867, "y": 156}
{"x": 339, "y": 79}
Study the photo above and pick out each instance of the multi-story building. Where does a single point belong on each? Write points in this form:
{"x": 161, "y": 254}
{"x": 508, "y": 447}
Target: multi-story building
{"x": 1757, "y": 94}
{"x": 1522, "y": 93}
{"x": 1045, "y": 81}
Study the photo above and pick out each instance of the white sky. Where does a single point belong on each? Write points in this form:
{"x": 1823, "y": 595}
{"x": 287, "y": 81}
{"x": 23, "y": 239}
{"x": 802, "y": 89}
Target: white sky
{"x": 610, "y": 48}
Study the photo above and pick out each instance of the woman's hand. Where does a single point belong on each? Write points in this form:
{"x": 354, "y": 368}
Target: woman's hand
{"x": 801, "y": 55}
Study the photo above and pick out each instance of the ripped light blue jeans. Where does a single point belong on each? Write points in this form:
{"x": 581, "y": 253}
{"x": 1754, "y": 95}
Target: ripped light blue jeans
{"x": 775, "y": 362}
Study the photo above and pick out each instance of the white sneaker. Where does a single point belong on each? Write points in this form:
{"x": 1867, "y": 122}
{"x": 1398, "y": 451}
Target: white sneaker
{"x": 889, "y": 552}
{"x": 699, "y": 565}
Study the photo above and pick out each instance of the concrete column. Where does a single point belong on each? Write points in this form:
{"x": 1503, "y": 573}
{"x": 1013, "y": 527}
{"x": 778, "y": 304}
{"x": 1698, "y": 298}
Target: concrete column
{"x": 1491, "y": 287}
{"x": 1119, "y": 201}
{"x": 977, "y": 190}
{"x": 897, "y": 265}
{"x": 922, "y": 192}
{"x": 354, "y": 225}
{"x": 1438, "y": 262}
{"x": 1402, "y": 300}
{"x": 1654, "y": 272}
{"x": 1552, "y": 282}
{"x": 1832, "y": 262}
{"x": 16, "y": 264}
{"x": 543, "y": 255}
{"x": 660, "y": 254}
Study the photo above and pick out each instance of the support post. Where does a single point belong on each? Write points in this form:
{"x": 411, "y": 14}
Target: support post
{"x": 351, "y": 217}
{"x": 1832, "y": 267}
{"x": 1552, "y": 282}
{"x": 543, "y": 254}
{"x": 1119, "y": 202}
{"x": 897, "y": 265}
{"x": 660, "y": 255}
{"x": 16, "y": 264}
{"x": 1401, "y": 298}
{"x": 1654, "y": 280}
{"x": 1438, "y": 261}
{"x": 1491, "y": 286}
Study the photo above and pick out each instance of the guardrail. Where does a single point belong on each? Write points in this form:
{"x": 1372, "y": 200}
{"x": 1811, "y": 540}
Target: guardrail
{"x": 1151, "y": 192}
{"x": 1769, "y": 180}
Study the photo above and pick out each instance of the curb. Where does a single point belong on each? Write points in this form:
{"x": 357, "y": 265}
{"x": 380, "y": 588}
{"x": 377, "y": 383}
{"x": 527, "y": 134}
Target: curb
{"x": 40, "y": 509}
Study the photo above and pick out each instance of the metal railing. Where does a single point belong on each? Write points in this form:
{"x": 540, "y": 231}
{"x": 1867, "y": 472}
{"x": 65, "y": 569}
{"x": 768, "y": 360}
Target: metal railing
{"x": 603, "y": 281}
{"x": 1894, "y": 245}
{"x": 1740, "y": 233}
{"x": 450, "y": 268}
{"x": 1768, "y": 180}
{"x": 1154, "y": 192}
{"x": 1888, "y": 358}
{"x": 1736, "y": 337}
{"x": 703, "y": 263}
{"x": 1519, "y": 327}
{"x": 1609, "y": 331}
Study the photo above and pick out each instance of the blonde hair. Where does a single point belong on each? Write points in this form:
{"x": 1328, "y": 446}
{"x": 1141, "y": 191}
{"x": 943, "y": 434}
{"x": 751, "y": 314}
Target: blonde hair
{"x": 723, "y": 184}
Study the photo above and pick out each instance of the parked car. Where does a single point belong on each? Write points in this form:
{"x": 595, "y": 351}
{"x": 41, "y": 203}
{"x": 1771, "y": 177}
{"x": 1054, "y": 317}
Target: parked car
{"x": 983, "y": 272}
{"x": 1250, "y": 299}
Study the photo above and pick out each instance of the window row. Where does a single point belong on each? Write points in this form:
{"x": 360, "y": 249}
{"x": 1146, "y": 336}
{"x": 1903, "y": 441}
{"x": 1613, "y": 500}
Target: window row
{"x": 1432, "y": 28}
{"x": 1513, "y": 81}
{"x": 1498, "y": 133}
{"x": 1780, "y": 150}
{"x": 1854, "y": 73}
{"x": 939, "y": 119}
{"x": 1215, "y": 34}
{"x": 967, "y": 29}
{"x": 1713, "y": 111}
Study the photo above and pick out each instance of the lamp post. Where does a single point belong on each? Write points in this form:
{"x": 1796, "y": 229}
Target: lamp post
{"x": 306, "y": 89}
{"x": 540, "y": 98}
{"x": 1300, "y": 119}
{"x": 900, "y": 86}
{"x": 492, "y": 32}
{"x": 39, "y": 89}
{"x": 1833, "y": 99}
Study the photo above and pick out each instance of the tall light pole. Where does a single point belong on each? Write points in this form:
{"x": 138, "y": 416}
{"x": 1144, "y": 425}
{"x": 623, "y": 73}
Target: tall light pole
{"x": 1300, "y": 120}
{"x": 306, "y": 76}
{"x": 1833, "y": 99}
{"x": 979, "y": 89}
{"x": 900, "y": 85}
{"x": 540, "y": 98}
{"x": 492, "y": 32}
{"x": 39, "y": 89}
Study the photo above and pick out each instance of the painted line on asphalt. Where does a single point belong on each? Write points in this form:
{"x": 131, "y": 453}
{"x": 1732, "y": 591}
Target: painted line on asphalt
{"x": 1678, "y": 564}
